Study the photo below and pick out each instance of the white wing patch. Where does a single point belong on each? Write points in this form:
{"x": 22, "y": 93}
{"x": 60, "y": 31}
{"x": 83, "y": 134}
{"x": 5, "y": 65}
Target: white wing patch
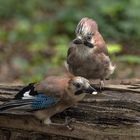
{"x": 27, "y": 95}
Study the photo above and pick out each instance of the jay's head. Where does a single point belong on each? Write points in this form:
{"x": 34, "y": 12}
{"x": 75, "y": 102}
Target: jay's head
{"x": 80, "y": 86}
{"x": 85, "y": 32}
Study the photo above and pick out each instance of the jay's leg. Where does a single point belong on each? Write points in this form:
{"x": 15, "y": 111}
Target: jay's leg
{"x": 67, "y": 122}
{"x": 101, "y": 85}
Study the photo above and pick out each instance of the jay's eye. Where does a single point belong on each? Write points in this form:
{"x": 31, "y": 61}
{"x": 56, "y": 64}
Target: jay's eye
{"x": 77, "y": 85}
{"x": 89, "y": 37}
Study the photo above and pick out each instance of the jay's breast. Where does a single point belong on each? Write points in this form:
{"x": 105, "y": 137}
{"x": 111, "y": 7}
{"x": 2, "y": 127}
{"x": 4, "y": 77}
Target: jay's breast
{"x": 91, "y": 69}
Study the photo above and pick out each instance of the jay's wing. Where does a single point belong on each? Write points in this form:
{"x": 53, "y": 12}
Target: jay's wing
{"x": 37, "y": 102}
{"x": 71, "y": 54}
{"x": 38, "y": 96}
{"x": 71, "y": 49}
{"x": 100, "y": 43}
{"x": 51, "y": 86}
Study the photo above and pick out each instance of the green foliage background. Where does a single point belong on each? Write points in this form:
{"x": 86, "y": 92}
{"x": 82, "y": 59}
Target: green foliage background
{"x": 34, "y": 35}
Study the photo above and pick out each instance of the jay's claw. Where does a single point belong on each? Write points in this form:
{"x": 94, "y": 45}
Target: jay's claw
{"x": 68, "y": 121}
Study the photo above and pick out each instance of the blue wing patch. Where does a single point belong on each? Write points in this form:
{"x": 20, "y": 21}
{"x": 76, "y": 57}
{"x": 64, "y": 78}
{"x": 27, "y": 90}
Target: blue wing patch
{"x": 37, "y": 100}
{"x": 43, "y": 101}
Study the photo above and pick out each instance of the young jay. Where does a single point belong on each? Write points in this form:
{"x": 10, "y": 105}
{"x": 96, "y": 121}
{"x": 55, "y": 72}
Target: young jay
{"x": 88, "y": 54}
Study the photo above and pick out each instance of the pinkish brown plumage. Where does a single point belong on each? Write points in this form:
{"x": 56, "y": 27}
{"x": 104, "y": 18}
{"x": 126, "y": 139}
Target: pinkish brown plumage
{"x": 88, "y": 54}
{"x": 49, "y": 97}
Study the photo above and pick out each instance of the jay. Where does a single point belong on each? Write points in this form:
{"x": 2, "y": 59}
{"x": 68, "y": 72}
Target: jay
{"x": 49, "y": 97}
{"x": 87, "y": 55}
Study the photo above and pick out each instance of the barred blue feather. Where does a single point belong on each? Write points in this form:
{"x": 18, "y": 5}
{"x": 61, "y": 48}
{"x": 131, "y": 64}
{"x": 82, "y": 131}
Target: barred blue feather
{"x": 28, "y": 99}
{"x": 42, "y": 101}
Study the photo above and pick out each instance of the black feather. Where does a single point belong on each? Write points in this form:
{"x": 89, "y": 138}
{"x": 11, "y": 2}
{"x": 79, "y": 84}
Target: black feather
{"x": 88, "y": 44}
{"x": 21, "y": 93}
{"x": 15, "y": 103}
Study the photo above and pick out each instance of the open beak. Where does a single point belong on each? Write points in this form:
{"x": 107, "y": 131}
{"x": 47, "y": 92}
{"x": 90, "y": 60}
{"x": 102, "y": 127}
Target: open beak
{"x": 77, "y": 41}
{"x": 91, "y": 90}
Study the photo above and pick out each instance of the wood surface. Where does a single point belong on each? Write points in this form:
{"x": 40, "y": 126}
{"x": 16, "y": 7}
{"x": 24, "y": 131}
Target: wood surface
{"x": 113, "y": 114}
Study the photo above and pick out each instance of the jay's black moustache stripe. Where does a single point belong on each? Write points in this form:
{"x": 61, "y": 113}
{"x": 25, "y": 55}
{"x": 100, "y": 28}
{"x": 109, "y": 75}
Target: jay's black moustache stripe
{"x": 88, "y": 44}
{"x": 78, "y": 92}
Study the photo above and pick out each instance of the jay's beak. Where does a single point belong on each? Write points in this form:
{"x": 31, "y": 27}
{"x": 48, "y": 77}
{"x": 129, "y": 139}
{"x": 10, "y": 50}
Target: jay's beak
{"x": 90, "y": 90}
{"x": 77, "y": 41}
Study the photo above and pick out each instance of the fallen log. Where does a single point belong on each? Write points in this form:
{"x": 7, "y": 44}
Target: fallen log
{"x": 112, "y": 114}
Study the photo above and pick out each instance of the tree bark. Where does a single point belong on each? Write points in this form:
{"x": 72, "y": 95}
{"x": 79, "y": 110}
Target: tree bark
{"x": 113, "y": 114}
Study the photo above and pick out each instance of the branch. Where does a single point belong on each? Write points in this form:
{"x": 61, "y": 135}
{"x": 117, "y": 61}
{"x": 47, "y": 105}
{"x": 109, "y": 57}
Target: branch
{"x": 113, "y": 113}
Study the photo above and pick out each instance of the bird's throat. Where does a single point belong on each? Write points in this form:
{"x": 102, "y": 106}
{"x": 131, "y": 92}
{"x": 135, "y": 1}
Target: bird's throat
{"x": 83, "y": 51}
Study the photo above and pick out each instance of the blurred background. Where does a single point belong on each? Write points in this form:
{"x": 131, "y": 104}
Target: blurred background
{"x": 35, "y": 35}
